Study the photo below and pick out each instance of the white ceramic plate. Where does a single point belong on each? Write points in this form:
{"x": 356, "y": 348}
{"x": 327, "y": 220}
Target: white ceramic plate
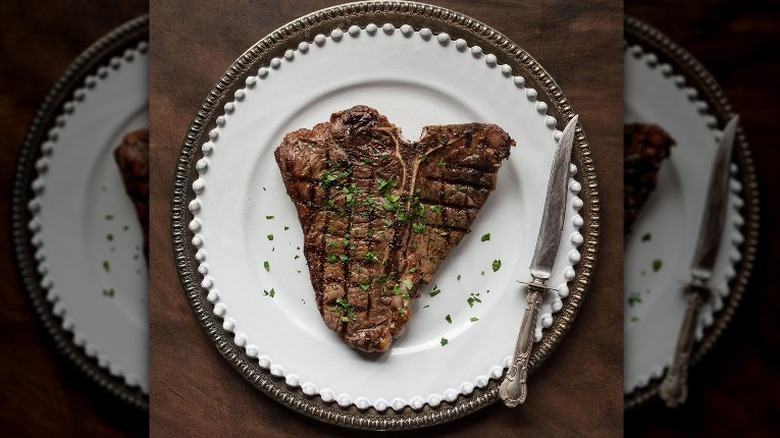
{"x": 415, "y": 79}
{"x": 660, "y": 247}
{"x": 89, "y": 240}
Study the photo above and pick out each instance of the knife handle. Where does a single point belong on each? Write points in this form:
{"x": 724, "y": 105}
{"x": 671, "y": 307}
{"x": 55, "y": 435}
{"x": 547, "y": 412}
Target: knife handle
{"x": 513, "y": 389}
{"x": 674, "y": 388}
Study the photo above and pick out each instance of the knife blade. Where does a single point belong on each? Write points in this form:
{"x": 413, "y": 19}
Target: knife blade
{"x": 714, "y": 215}
{"x": 513, "y": 390}
{"x": 554, "y": 206}
{"x": 674, "y": 389}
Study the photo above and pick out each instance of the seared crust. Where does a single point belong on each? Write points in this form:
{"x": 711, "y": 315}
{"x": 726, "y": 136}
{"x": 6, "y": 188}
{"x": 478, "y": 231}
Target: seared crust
{"x": 132, "y": 157}
{"x": 379, "y": 214}
{"x": 645, "y": 147}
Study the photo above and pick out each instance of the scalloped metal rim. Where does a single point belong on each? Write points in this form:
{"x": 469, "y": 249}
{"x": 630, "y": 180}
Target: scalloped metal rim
{"x": 125, "y": 36}
{"x": 697, "y": 76}
{"x": 303, "y": 29}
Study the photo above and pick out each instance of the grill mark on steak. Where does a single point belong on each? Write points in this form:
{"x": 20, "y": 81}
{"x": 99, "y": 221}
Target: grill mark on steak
{"x": 380, "y": 214}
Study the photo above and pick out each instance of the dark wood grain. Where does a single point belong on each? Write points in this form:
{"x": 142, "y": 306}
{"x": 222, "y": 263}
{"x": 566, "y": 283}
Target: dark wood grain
{"x": 733, "y": 391}
{"x": 578, "y": 391}
{"x": 41, "y": 394}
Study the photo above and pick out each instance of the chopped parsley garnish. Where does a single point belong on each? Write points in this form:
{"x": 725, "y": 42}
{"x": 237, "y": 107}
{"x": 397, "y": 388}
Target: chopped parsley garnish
{"x": 370, "y": 257}
{"x": 634, "y": 298}
{"x": 269, "y": 293}
{"x": 125, "y": 228}
{"x": 385, "y": 185}
{"x": 109, "y": 292}
{"x": 402, "y": 311}
{"x": 267, "y": 266}
{"x": 442, "y": 140}
{"x": 418, "y": 227}
{"x": 444, "y": 341}
{"x": 440, "y": 232}
{"x": 397, "y": 291}
{"x": 485, "y": 237}
{"x": 646, "y": 237}
{"x": 296, "y": 257}
{"x": 634, "y": 319}
{"x": 345, "y": 309}
{"x": 482, "y": 272}
{"x": 458, "y": 277}
{"x": 269, "y": 217}
{"x": 435, "y": 208}
{"x": 365, "y": 285}
{"x": 435, "y": 291}
{"x": 110, "y": 237}
{"x": 328, "y": 179}
{"x": 106, "y": 266}
{"x": 270, "y": 237}
{"x": 109, "y": 217}
{"x": 473, "y": 319}
{"x": 384, "y": 278}
{"x": 344, "y": 258}
{"x": 448, "y": 318}
{"x": 474, "y": 298}
{"x": 409, "y": 285}
{"x": 392, "y": 203}
{"x": 657, "y": 264}
{"x": 496, "y": 265}
{"x": 286, "y": 228}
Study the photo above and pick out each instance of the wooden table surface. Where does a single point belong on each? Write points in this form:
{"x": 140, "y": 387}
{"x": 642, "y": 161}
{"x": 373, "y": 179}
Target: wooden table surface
{"x": 578, "y": 391}
{"x": 733, "y": 392}
{"x": 42, "y": 395}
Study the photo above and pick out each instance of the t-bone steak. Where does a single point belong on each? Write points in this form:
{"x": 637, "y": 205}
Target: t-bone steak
{"x": 379, "y": 214}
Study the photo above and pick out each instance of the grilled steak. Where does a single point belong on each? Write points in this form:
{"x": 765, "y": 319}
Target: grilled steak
{"x": 380, "y": 214}
{"x": 132, "y": 157}
{"x": 645, "y": 147}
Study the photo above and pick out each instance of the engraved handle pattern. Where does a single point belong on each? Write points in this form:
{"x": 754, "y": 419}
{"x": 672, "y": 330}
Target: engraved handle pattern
{"x": 674, "y": 388}
{"x": 513, "y": 389}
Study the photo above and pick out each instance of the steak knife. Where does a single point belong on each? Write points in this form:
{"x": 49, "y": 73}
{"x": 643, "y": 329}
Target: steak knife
{"x": 674, "y": 388}
{"x": 513, "y": 389}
